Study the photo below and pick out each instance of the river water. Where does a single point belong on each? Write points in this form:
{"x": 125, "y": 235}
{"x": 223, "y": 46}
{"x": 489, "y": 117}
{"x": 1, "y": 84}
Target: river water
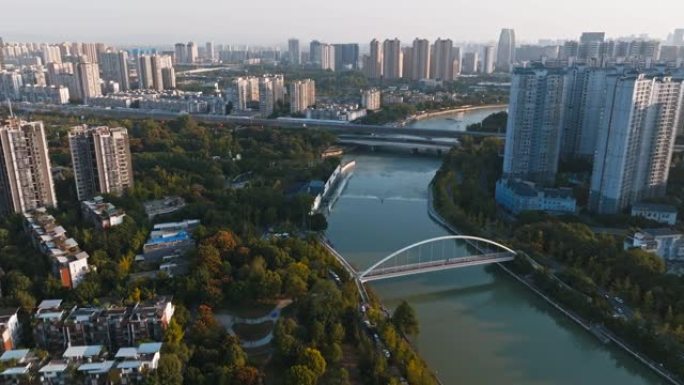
{"x": 478, "y": 325}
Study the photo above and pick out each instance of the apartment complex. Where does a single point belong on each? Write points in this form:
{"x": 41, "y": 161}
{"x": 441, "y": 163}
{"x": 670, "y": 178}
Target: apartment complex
{"x": 371, "y": 99}
{"x": 102, "y": 214}
{"x": 102, "y": 160}
{"x": 114, "y": 67}
{"x": 25, "y": 176}
{"x": 69, "y": 262}
{"x": 56, "y": 327}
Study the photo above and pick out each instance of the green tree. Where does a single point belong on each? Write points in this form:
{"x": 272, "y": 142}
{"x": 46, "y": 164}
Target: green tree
{"x": 313, "y": 359}
{"x": 404, "y": 318}
{"x": 170, "y": 370}
{"x": 300, "y": 375}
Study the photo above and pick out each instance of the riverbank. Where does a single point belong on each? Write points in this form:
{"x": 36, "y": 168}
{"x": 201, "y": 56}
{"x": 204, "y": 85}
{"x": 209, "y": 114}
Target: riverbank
{"x": 451, "y": 111}
{"x": 598, "y": 331}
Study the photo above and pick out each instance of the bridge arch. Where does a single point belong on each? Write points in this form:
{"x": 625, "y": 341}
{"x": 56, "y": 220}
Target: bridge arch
{"x": 431, "y": 240}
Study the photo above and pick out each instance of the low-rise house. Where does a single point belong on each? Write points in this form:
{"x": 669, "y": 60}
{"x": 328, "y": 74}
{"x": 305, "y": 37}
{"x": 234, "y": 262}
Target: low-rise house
{"x": 16, "y": 375}
{"x": 102, "y": 214}
{"x": 10, "y": 329}
{"x": 48, "y": 322}
{"x": 69, "y": 262}
{"x": 167, "y": 238}
{"x": 167, "y": 205}
{"x": 662, "y": 213}
{"x": 136, "y": 361}
{"x": 54, "y": 373}
{"x": 97, "y": 373}
{"x": 517, "y": 196}
{"x": 83, "y": 353}
{"x": 664, "y": 242}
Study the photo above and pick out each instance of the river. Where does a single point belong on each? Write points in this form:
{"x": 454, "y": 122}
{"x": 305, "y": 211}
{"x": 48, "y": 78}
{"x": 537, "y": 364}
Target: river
{"x": 478, "y": 325}
{"x": 457, "y": 121}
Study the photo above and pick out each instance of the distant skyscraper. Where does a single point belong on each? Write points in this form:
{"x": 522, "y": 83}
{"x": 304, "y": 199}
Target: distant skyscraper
{"x": 25, "y": 173}
{"x": 293, "y": 54}
{"x": 101, "y": 159}
{"x": 375, "y": 61}
{"x": 392, "y": 59}
{"x": 210, "y": 52}
{"x": 535, "y": 119}
{"x": 315, "y": 53}
{"x": 635, "y": 140}
{"x": 505, "y": 54}
{"x": 590, "y": 46}
{"x": 115, "y": 68}
{"x": 488, "y": 60}
{"x": 145, "y": 75}
{"x": 346, "y": 57}
{"x": 88, "y": 75}
{"x": 180, "y": 53}
{"x": 192, "y": 53}
{"x": 470, "y": 61}
{"x": 570, "y": 50}
{"x": 420, "y": 59}
{"x": 302, "y": 95}
{"x": 678, "y": 36}
{"x": 2, "y": 53}
{"x": 442, "y": 62}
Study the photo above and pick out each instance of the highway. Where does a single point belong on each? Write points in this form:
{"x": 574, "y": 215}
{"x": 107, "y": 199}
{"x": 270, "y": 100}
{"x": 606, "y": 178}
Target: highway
{"x": 332, "y": 126}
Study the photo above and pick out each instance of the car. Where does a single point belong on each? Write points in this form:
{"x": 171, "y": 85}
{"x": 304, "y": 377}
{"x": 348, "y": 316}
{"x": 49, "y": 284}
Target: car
{"x": 386, "y": 353}
{"x": 619, "y": 300}
{"x": 367, "y": 323}
{"x": 363, "y": 308}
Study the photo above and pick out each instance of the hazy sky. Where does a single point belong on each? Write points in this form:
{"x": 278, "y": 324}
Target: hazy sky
{"x": 273, "y": 21}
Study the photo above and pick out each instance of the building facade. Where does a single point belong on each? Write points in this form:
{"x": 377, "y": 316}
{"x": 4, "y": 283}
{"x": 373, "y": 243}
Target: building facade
{"x": 302, "y": 95}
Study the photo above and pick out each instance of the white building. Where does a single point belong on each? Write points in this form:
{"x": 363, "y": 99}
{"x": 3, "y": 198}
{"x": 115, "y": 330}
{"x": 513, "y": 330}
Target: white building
{"x": 635, "y": 140}
{"x": 505, "y": 54}
{"x": 392, "y": 63}
{"x": 666, "y": 243}
{"x": 517, "y": 196}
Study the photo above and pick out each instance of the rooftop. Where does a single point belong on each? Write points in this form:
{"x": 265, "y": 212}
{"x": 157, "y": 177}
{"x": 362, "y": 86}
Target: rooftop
{"x": 643, "y": 206}
{"x": 17, "y": 354}
{"x": 82, "y": 351}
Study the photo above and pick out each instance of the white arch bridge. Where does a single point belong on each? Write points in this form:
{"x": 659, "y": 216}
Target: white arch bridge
{"x": 437, "y": 254}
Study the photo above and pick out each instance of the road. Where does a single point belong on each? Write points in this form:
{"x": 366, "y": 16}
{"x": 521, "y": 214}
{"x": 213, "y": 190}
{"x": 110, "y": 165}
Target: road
{"x": 333, "y": 126}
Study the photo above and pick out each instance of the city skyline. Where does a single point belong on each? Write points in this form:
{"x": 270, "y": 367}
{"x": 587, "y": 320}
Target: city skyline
{"x": 432, "y": 19}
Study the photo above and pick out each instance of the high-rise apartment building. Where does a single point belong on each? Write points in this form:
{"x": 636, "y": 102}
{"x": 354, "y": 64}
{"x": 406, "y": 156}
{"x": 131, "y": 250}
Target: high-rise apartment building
{"x": 488, "y": 60}
{"x": 470, "y": 63}
{"x": 25, "y": 174}
{"x": 88, "y": 76}
{"x": 302, "y": 95}
{"x": 271, "y": 91}
{"x": 375, "y": 61}
{"x": 535, "y": 119}
{"x": 635, "y": 140}
{"x": 591, "y": 46}
{"x": 2, "y": 53}
{"x": 101, "y": 159}
{"x": 678, "y": 37}
{"x": 327, "y": 52}
{"x": 505, "y": 54}
{"x": 156, "y": 72}
{"x": 392, "y": 59}
{"x": 293, "y": 54}
{"x": 114, "y": 67}
{"x": 420, "y": 60}
{"x": 442, "y": 63}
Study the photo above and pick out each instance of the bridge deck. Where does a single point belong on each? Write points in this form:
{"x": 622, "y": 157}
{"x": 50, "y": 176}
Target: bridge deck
{"x": 444, "y": 264}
